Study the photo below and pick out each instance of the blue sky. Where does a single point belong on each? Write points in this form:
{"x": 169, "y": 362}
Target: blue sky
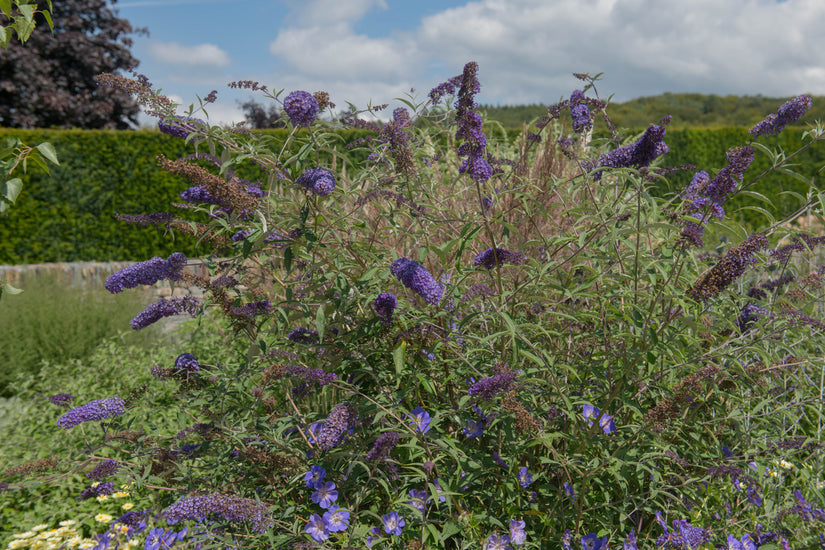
{"x": 527, "y": 50}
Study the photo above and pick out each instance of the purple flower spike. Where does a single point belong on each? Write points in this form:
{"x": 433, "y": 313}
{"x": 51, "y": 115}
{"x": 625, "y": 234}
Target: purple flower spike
{"x": 165, "y": 308}
{"x": 392, "y": 523}
{"x": 317, "y": 528}
{"x": 93, "y": 410}
{"x": 630, "y": 541}
{"x": 638, "y": 154}
{"x": 317, "y": 180}
{"x": 385, "y": 305}
{"x": 146, "y": 273}
{"x": 488, "y": 387}
{"x": 301, "y": 108}
{"x": 490, "y": 258}
{"x": 339, "y": 422}
{"x": 790, "y": 112}
{"x": 62, "y": 399}
{"x": 104, "y": 469}
{"x": 413, "y": 276}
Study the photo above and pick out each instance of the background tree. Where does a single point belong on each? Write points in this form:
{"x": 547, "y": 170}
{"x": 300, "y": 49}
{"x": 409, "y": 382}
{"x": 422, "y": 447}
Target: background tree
{"x": 50, "y": 82}
{"x": 258, "y": 117}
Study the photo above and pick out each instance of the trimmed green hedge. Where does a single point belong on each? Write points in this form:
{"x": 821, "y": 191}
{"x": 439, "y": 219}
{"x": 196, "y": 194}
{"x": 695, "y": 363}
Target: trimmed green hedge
{"x": 69, "y": 215}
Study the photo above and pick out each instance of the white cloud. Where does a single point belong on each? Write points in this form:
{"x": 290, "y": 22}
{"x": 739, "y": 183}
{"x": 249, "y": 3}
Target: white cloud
{"x": 172, "y": 53}
{"x": 527, "y": 49}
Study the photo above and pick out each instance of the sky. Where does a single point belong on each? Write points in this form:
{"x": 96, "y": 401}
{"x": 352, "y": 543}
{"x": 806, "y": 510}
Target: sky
{"x": 363, "y": 51}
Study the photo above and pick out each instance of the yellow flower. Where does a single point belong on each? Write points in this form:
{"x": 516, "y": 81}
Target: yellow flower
{"x": 128, "y": 506}
{"x": 19, "y": 543}
{"x": 120, "y": 494}
{"x": 86, "y": 545}
{"x": 101, "y": 498}
{"x": 787, "y": 465}
{"x": 103, "y": 518}
{"x": 74, "y": 541}
{"x": 133, "y": 542}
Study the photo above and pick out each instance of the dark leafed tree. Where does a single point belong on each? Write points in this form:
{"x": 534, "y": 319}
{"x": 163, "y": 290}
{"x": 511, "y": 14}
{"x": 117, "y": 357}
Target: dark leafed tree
{"x": 258, "y": 117}
{"x": 49, "y": 81}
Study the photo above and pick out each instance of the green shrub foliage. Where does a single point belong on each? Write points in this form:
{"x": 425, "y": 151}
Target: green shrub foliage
{"x": 475, "y": 343}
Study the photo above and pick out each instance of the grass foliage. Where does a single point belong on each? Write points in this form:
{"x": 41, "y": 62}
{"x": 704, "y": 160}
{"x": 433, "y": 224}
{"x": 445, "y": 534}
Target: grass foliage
{"x": 483, "y": 345}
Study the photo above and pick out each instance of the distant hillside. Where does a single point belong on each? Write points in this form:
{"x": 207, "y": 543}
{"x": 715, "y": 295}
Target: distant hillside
{"x": 688, "y": 111}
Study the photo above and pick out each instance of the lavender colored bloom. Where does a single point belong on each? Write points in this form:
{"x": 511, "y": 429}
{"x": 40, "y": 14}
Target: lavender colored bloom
{"x": 301, "y": 108}
{"x": 103, "y": 469}
{"x": 605, "y": 421}
{"x": 420, "y": 499}
{"x": 392, "y": 523}
{"x": 445, "y": 88}
{"x": 730, "y": 268}
{"x": 420, "y": 419}
{"x": 497, "y": 542}
{"x": 748, "y": 316}
{"x": 186, "y": 364}
{"x": 638, "y": 154}
{"x": 413, "y": 276}
{"x": 580, "y": 112}
{"x": 226, "y": 507}
{"x": 337, "y": 519}
{"x": 383, "y": 446}
{"x": 385, "y": 305}
{"x": 155, "y": 538}
{"x": 250, "y": 310}
{"x": 691, "y": 536}
{"x": 500, "y": 461}
{"x": 470, "y": 127}
{"x": 314, "y": 476}
{"x": 317, "y": 528}
{"x": 375, "y": 533}
{"x": 753, "y": 497}
{"x": 630, "y": 541}
{"x": 525, "y": 478}
{"x": 492, "y": 257}
{"x": 517, "y": 534}
{"x": 165, "y": 308}
{"x": 303, "y": 336}
{"x": 62, "y": 399}
{"x": 438, "y": 490}
{"x": 319, "y": 181}
{"x": 315, "y": 376}
{"x": 397, "y": 136}
{"x": 474, "y": 429}
{"x": 199, "y": 194}
{"x": 93, "y": 410}
{"x": 789, "y": 112}
{"x": 342, "y": 419}
{"x": 487, "y": 388}
{"x": 96, "y": 490}
{"x": 146, "y": 273}
{"x": 567, "y": 540}
{"x": 180, "y": 126}
{"x": 241, "y": 235}
{"x": 569, "y": 490}
{"x": 591, "y": 542}
{"x": 749, "y": 544}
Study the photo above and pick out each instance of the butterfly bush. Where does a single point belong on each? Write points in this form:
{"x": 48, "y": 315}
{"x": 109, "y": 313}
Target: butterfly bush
{"x": 353, "y": 397}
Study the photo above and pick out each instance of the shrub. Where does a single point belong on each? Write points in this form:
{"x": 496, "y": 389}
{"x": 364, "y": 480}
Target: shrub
{"x": 562, "y": 362}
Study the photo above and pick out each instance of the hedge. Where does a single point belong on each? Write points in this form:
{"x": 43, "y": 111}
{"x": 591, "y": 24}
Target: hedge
{"x": 69, "y": 214}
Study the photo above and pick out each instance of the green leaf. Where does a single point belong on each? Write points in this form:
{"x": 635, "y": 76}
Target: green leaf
{"x": 5, "y": 7}
{"x": 398, "y": 357}
{"x": 7, "y": 288}
{"x": 47, "y": 150}
{"x": 320, "y": 318}
{"x": 450, "y": 528}
{"x": 13, "y": 188}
